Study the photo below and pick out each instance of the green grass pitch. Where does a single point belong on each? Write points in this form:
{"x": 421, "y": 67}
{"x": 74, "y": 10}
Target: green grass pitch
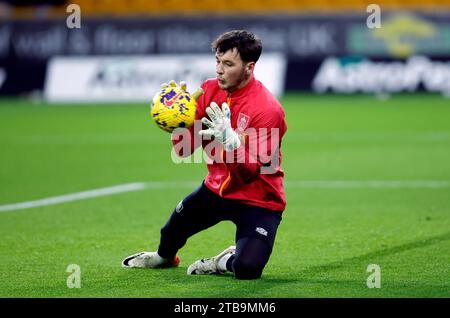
{"x": 329, "y": 234}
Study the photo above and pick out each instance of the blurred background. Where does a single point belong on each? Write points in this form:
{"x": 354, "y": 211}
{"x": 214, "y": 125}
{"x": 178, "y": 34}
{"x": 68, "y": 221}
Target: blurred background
{"x": 128, "y": 47}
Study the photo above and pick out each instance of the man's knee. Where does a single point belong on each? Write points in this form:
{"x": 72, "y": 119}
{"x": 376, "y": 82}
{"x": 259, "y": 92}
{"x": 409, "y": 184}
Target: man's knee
{"x": 246, "y": 269}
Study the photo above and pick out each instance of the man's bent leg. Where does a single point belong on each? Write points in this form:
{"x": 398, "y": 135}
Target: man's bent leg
{"x": 255, "y": 237}
{"x": 252, "y": 255}
{"x": 197, "y": 212}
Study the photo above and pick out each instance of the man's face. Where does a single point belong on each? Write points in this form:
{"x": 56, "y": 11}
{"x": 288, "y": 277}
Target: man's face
{"x": 232, "y": 72}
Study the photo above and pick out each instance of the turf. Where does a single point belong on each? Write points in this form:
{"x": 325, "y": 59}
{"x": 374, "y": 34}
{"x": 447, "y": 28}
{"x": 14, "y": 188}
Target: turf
{"x": 328, "y": 236}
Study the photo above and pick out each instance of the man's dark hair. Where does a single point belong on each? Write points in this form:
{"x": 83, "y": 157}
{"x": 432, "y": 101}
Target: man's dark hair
{"x": 246, "y": 43}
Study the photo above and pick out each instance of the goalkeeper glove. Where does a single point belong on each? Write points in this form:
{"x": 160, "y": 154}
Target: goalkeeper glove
{"x": 182, "y": 86}
{"x": 220, "y": 126}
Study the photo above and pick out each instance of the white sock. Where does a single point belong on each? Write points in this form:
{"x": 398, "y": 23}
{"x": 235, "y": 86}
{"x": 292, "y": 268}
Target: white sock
{"x": 222, "y": 264}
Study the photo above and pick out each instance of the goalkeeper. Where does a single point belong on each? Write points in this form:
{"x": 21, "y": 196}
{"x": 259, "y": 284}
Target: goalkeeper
{"x": 247, "y": 192}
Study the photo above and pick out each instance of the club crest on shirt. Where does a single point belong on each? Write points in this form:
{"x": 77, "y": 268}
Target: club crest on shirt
{"x": 242, "y": 121}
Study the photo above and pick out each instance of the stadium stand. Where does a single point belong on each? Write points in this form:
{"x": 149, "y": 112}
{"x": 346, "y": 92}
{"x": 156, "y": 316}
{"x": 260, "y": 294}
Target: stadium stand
{"x": 42, "y": 8}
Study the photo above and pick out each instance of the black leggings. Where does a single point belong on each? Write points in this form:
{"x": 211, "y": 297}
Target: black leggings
{"x": 256, "y": 228}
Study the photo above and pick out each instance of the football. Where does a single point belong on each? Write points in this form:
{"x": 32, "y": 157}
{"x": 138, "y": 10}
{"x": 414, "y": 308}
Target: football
{"x": 174, "y": 108}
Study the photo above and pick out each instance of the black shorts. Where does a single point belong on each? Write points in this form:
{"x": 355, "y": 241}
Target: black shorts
{"x": 203, "y": 208}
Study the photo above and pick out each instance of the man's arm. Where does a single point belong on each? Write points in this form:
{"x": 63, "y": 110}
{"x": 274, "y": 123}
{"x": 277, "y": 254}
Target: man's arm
{"x": 259, "y": 151}
{"x": 246, "y": 154}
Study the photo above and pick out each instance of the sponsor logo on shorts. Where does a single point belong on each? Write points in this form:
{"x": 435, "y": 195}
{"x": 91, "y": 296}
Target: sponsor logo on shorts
{"x": 179, "y": 207}
{"x": 261, "y": 231}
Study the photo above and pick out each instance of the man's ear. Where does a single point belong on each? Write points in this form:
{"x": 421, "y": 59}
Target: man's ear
{"x": 250, "y": 67}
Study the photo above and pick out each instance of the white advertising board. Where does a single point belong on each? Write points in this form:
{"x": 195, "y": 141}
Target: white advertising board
{"x": 138, "y": 78}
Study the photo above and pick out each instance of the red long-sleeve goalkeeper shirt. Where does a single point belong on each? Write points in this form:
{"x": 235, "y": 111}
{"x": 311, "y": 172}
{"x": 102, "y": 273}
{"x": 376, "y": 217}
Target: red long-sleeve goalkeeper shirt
{"x": 252, "y": 173}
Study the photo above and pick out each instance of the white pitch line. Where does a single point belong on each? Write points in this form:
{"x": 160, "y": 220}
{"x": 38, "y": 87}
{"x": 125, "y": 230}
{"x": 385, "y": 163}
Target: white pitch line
{"x": 367, "y": 184}
{"x": 305, "y": 184}
{"x": 75, "y": 196}
{"x": 324, "y": 184}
